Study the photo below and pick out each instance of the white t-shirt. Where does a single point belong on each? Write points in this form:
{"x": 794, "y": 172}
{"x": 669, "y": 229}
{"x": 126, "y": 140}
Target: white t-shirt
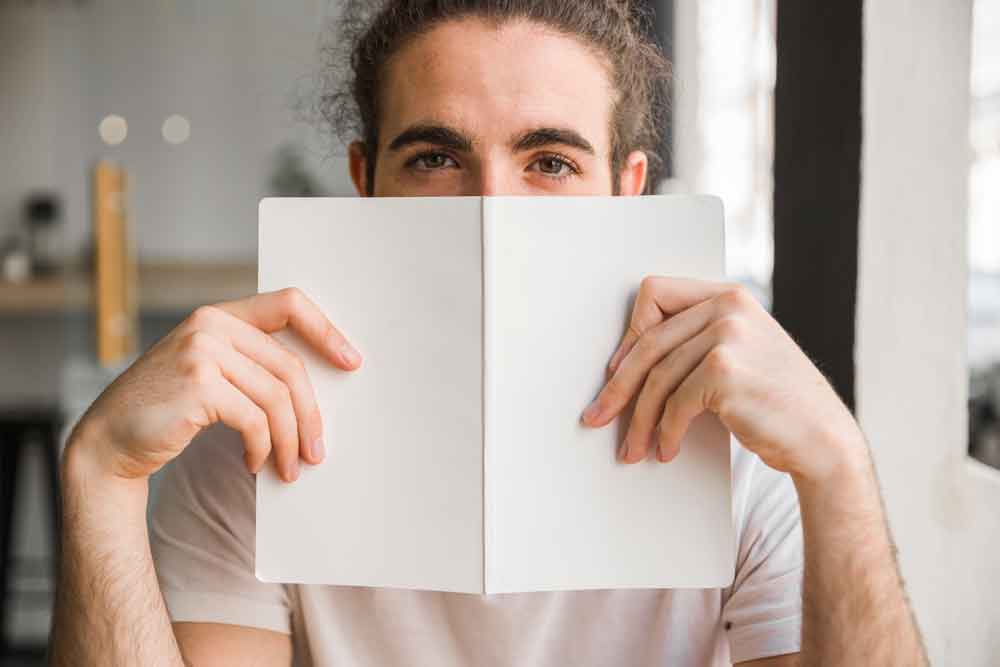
{"x": 203, "y": 536}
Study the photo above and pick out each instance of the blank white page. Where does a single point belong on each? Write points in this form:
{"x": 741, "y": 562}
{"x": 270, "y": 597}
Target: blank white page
{"x": 398, "y": 501}
{"x": 562, "y": 513}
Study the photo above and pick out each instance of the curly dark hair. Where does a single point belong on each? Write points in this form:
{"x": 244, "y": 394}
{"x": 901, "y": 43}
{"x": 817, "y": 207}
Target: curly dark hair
{"x": 369, "y": 32}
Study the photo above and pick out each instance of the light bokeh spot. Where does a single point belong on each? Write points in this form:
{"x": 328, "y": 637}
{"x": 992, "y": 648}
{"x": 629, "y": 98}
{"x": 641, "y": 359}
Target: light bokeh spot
{"x": 113, "y": 129}
{"x": 176, "y": 129}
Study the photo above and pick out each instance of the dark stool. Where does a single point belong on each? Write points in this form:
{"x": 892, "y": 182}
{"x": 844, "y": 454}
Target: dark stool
{"x": 21, "y": 427}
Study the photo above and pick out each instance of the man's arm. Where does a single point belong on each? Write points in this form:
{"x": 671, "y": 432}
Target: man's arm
{"x": 109, "y": 609}
{"x": 855, "y": 609}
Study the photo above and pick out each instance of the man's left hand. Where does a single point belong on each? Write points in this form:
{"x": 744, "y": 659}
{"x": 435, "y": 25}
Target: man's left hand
{"x": 694, "y": 346}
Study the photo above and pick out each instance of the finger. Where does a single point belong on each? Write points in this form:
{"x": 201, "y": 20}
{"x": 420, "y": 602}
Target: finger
{"x": 291, "y": 308}
{"x": 661, "y": 297}
{"x": 264, "y": 390}
{"x": 645, "y": 315}
{"x": 668, "y": 296}
{"x": 650, "y": 349}
{"x": 700, "y": 391}
{"x": 232, "y": 407}
{"x": 629, "y": 339}
{"x": 661, "y": 382}
{"x": 287, "y": 367}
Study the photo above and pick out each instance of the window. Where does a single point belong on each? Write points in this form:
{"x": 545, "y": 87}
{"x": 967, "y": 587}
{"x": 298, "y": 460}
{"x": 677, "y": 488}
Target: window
{"x": 984, "y": 236}
{"x": 724, "y": 139}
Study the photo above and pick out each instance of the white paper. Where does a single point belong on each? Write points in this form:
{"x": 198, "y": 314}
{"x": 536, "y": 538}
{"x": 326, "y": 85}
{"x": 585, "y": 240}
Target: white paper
{"x": 457, "y": 461}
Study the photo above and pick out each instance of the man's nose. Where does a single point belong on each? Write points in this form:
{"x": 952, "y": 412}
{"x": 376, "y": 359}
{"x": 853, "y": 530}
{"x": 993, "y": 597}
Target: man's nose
{"x": 495, "y": 180}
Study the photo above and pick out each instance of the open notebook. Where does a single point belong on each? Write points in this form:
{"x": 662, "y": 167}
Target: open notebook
{"x": 456, "y": 456}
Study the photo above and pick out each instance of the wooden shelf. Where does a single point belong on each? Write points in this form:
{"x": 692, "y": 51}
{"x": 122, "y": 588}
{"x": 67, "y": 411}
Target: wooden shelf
{"x": 163, "y": 288}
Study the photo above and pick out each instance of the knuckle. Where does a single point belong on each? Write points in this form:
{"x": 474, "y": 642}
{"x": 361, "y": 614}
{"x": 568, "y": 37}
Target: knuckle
{"x": 720, "y": 362}
{"x": 738, "y": 297}
{"x": 196, "y": 344}
{"x": 669, "y": 410}
{"x": 194, "y": 360}
{"x": 677, "y": 356}
{"x": 286, "y": 445}
{"x": 257, "y": 421}
{"x": 291, "y": 367}
{"x": 327, "y": 332}
{"x": 730, "y": 328}
{"x": 722, "y": 407}
{"x": 199, "y": 372}
{"x": 295, "y": 362}
{"x": 278, "y": 395}
{"x": 643, "y": 346}
{"x": 203, "y": 316}
{"x": 648, "y": 284}
{"x": 675, "y": 411}
{"x": 657, "y": 377}
{"x": 292, "y": 298}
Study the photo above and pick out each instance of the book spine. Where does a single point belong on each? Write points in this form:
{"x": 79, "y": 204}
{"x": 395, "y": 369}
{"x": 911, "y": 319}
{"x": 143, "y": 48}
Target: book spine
{"x": 488, "y": 393}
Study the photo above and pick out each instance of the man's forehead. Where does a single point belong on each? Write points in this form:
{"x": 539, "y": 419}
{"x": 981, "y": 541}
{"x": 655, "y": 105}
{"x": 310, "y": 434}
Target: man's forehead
{"x": 495, "y": 83}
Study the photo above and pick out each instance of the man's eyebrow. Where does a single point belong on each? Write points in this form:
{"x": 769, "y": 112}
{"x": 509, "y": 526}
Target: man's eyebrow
{"x": 547, "y": 136}
{"x": 437, "y": 135}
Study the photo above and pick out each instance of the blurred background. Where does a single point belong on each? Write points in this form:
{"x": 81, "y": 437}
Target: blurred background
{"x": 136, "y": 138}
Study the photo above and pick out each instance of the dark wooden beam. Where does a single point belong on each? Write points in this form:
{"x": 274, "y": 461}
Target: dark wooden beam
{"x": 817, "y": 179}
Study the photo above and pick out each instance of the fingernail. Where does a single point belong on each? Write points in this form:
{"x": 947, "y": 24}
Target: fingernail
{"x": 318, "y": 450}
{"x": 623, "y": 449}
{"x": 293, "y": 472}
{"x": 349, "y": 355}
{"x": 592, "y": 412}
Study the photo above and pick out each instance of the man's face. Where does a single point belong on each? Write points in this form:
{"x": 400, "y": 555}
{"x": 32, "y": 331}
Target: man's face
{"x": 472, "y": 109}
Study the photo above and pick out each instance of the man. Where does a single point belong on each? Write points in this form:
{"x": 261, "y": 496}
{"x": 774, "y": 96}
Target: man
{"x": 479, "y": 98}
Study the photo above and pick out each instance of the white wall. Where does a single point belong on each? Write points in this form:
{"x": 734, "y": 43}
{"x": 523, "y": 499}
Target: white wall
{"x": 724, "y": 67}
{"x": 40, "y": 94}
{"x": 912, "y": 378}
{"x": 232, "y": 68}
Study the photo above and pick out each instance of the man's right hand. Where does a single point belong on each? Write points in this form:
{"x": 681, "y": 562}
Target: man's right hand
{"x": 220, "y": 364}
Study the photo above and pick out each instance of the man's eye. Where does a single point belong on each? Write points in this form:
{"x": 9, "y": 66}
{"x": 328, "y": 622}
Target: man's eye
{"x": 432, "y": 161}
{"x": 553, "y": 165}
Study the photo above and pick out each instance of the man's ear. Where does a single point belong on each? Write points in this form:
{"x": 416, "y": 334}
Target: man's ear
{"x": 633, "y": 175}
{"x": 358, "y": 163}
